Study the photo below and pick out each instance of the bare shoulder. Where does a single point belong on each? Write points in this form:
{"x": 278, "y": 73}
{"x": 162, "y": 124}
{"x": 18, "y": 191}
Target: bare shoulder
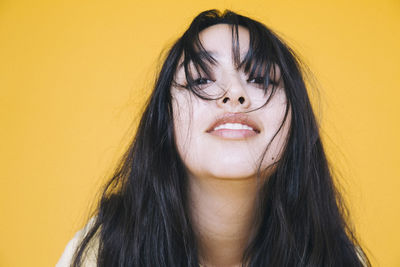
{"x": 91, "y": 253}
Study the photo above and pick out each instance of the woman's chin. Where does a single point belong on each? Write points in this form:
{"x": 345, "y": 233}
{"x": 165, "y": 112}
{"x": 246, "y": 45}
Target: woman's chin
{"x": 233, "y": 173}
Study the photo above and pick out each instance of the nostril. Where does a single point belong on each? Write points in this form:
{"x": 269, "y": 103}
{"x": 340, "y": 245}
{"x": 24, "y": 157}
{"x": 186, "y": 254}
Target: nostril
{"x": 240, "y": 99}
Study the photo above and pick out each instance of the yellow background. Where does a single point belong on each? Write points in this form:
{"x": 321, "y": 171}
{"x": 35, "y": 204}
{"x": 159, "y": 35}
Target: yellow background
{"x": 74, "y": 74}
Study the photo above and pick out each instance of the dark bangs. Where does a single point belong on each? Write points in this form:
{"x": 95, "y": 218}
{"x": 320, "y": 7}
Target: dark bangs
{"x": 259, "y": 62}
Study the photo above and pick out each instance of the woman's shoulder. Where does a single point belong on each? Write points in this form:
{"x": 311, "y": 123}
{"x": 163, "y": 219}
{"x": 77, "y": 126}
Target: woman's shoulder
{"x": 361, "y": 256}
{"x": 90, "y": 255}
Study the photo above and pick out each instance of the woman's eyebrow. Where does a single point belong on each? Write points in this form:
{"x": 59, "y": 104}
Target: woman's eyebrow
{"x": 212, "y": 57}
{"x": 204, "y": 54}
{"x": 208, "y": 54}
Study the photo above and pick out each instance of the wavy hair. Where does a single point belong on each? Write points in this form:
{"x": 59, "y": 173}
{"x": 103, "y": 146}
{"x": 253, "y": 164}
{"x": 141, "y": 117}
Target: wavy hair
{"x": 143, "y": 216}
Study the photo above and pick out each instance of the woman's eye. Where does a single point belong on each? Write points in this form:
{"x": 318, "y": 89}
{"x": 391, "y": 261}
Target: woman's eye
{"x": 257, "y": 80}
{"x": 260, "y": 81}
{"x": 201, "y": 81}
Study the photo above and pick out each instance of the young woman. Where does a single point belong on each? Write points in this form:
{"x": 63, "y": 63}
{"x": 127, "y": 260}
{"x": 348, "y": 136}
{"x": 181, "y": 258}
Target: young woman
{"x": 227, "y": 167}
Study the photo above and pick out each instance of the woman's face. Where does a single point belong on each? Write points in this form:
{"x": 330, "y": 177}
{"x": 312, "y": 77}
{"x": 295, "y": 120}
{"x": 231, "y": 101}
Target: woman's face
{"x": 216, "y": 138}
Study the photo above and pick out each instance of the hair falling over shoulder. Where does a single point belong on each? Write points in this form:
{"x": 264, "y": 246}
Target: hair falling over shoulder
{"x": 143, "y": 215}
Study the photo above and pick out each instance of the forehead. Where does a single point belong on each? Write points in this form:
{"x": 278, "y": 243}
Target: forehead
{"x": 217, "y": 39}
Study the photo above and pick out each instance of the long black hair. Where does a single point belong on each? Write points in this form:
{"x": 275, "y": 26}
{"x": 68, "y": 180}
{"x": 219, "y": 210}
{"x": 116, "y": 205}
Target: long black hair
{"x": 143, "y": 216}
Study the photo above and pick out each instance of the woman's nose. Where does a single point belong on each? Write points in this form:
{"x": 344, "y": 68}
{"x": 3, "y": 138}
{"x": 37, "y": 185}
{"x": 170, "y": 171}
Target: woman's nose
{"x": 235, "y": 96}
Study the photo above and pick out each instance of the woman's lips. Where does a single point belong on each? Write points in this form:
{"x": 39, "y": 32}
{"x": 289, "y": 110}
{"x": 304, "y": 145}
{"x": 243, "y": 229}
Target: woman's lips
{"x": 234, "y": 126}
{"x": 233, "y": 134}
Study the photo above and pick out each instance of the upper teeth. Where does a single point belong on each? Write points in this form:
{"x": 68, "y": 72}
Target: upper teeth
{"x": 233, "y": 126}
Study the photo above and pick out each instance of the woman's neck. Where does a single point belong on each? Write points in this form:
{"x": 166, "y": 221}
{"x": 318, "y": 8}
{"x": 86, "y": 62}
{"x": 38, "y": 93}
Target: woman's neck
{"x": 222, "y": 212}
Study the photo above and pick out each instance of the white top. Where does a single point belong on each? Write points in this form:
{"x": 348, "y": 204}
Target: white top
{"x": 90, "y": 255}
